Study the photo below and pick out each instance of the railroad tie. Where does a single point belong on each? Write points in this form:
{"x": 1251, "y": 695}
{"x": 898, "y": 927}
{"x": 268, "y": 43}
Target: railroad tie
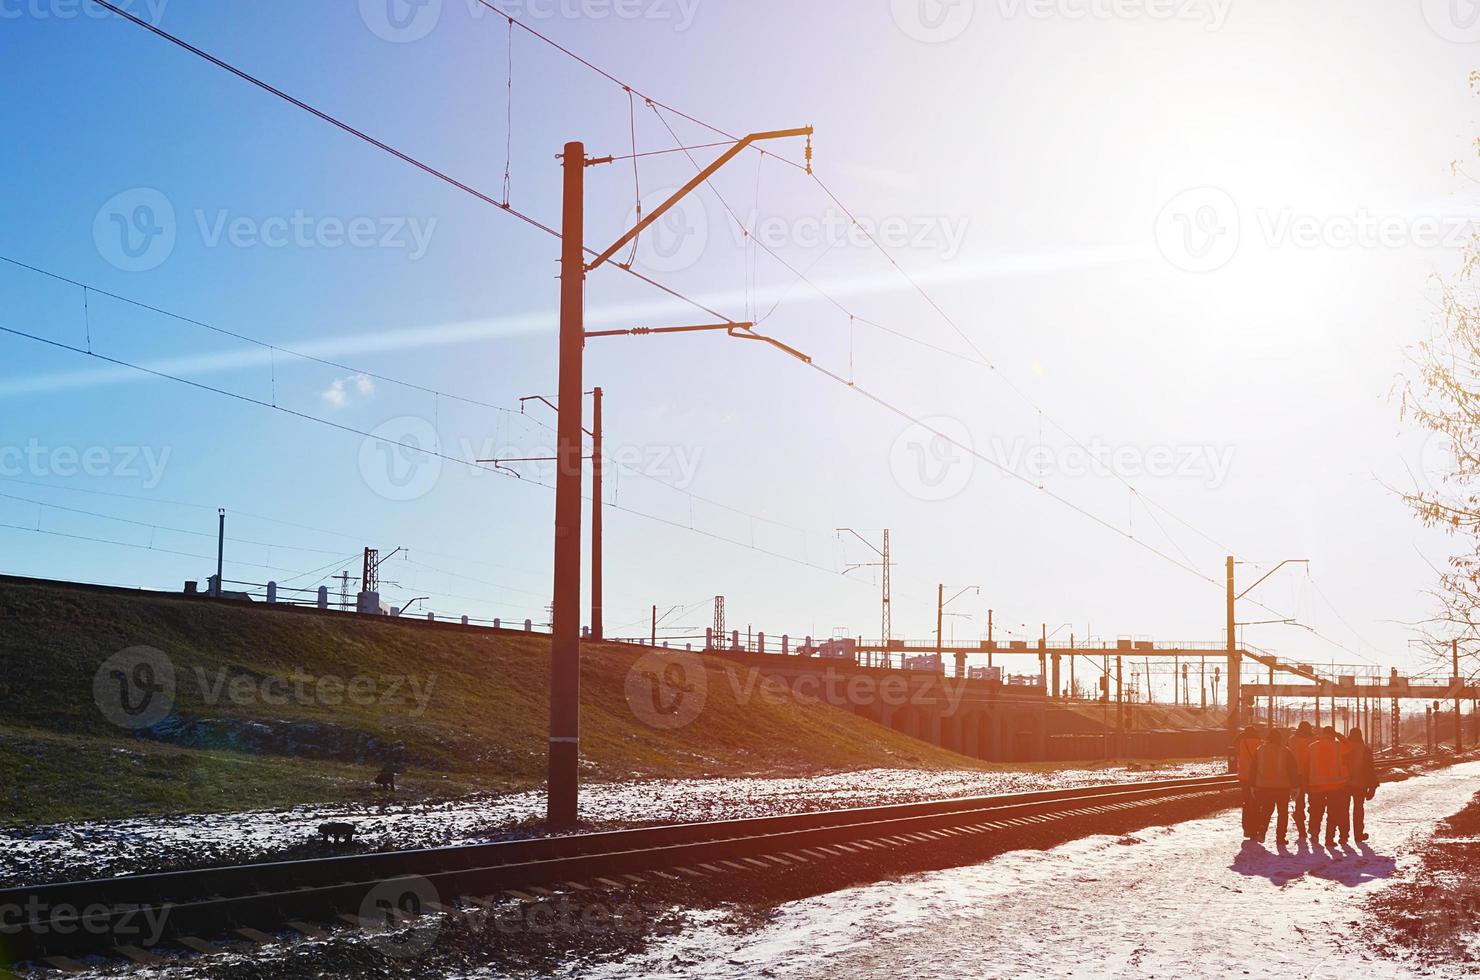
{"x": 519, "y": 895}
{"x": 202, "y": 946}
{"x": 542, "y": 892}
{"x": 311, "y": 931}
{"x": 64, "y": 964}
{"x": 574, "y": 886}
{"x": 140, "y": 956}
{"x": 609, "y": 882}
{"x": 254, "y": 935}
{"x": 690, "y": 872}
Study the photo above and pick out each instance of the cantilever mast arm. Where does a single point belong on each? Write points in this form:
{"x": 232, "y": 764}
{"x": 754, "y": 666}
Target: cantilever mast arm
{"x": 688, "y": 188}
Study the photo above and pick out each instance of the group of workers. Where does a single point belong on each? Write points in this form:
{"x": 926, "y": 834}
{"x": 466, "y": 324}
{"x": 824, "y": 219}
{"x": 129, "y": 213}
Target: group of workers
{"x": 1325, "y": 776}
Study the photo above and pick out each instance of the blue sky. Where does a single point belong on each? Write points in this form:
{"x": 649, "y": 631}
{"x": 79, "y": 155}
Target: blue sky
{"x": 1039, "y": 168}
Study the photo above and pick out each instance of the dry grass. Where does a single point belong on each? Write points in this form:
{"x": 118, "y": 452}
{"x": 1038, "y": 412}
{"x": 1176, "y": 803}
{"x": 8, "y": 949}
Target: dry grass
{"x": 484, "y": 723}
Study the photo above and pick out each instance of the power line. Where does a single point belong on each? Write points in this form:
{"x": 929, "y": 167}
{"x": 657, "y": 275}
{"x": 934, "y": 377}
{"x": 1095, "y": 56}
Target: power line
{"x": 388, "y": 379}
{"x": 504, "y": 205}
{"x": 380, "y": 145}
{"x": 407, "y": 158}
{"x": 146, "y": 547}
{"x": 201, "y": 386}
{"x": 162, "y": 527}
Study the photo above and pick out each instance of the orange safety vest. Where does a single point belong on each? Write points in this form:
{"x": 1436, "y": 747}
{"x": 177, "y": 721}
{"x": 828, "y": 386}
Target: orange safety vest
{"x": 1244, "y": 750}
{"x": 1327, "y": 766}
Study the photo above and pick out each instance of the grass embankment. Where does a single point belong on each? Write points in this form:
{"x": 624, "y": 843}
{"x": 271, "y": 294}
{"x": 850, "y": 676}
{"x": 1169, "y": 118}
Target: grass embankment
{"x": 253, "y": 723}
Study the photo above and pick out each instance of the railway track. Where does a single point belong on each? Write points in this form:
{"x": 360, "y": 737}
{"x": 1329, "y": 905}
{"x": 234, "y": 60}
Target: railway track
{"x": 128, "y": 916}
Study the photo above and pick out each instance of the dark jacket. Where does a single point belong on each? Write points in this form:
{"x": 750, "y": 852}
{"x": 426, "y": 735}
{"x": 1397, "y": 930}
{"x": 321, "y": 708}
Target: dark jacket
{"x": 1361, "y": 771}
{"x": 1275, "y": 767}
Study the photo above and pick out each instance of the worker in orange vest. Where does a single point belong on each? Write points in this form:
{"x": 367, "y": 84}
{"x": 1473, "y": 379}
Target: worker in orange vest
{"x": 1276, "y": 775}
{"x": 1361, "y": 780}
{"x": 1244, "y": 749}
{"x": 1326, "y": 782}
{"x": 1300, "y": 747}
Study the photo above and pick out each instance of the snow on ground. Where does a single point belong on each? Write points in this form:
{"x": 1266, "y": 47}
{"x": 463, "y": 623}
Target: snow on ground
{"x": 1188, "y": 900}
{"x": 105, "y": 848}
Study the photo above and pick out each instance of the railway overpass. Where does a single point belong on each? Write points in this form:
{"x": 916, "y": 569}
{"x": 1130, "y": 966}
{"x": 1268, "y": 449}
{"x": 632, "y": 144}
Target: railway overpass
{"x": 1106, "y": 659}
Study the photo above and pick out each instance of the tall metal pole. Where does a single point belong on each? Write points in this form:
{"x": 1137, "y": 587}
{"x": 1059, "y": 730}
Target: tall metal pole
{"x": 221, "y": 551}
{"x": 596, "y": 627}
{"x": 989, "y": 639}
{"x": 565, "y": 647}
{"x": 886, "y": 628}
{"x": 1119, "y": 696}
{"x": 653, "y": 638}
{"x": 940, "y": 610}
{"x": 1235, "y": 666}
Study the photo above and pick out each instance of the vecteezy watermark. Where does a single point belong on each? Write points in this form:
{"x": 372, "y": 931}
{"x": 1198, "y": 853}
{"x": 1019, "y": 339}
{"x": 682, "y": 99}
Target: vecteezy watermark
{"x": 1450, "y": 920}
{"x": 302, "y": 230}
{"x": 135, "y": 688}
{"x": 137, "y": 230}
{"x": 401, "y": 21}
{"x": 1206, "y": 464}
{"x": 1453, "y": 20}
{"x": 35, "y": 459}
{"x": 138, "y": 687}
{"x": 939, "y": 21}
{"x": 128, "y": 924}
{"x": 1202, "y": 229}
{"x": 400, "y": 458}
{"x": 405, "y": 917}
{"x": 1198, "y": 230}
{"x": 941, "y": 234}
{"x": 677, "y": 239}
{"x": 933, "y": 21}
{"x": 933, "y": 459}
{"x": 680, "y": 236}
{"x": 407, "y": 21}
{"x": 151, "y": 11}
{"x": 306, "y": 689}
{"x": 667, "y": 690}
{"x": 1212, "y": 14}
{"x": 677, "y": 466}
{"x": 389, "y": 909}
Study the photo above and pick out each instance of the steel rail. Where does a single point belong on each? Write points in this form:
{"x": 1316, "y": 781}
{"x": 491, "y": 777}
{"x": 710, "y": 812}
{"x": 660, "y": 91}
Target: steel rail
{"x": 71, "y": 918}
